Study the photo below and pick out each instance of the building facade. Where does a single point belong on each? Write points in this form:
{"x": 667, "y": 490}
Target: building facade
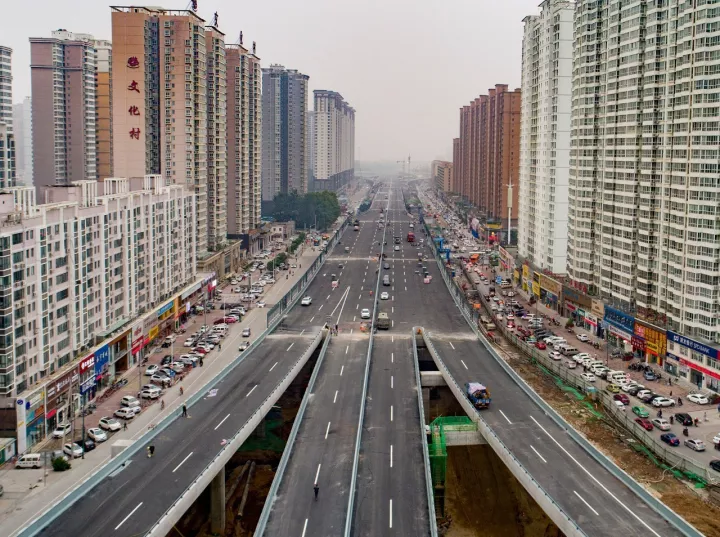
{"x": 334, "y": 141}
{"x": 216, "y": 139}
{"x": 644, "y": 185}
{"x": 63, "y": 72}
{"x": 284, "y": 144}
{"x": 455, "y": 186}
{"x": 545, "y": 136}
{"x": 442, "y": 174}
{"x": 7, "y": 137}
{"x": 103, "y": 107}
{"x": 244, "y": 112}
{"x": 160, "y": 110}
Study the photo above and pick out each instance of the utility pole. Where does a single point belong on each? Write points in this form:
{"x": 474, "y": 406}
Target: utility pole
{"x": 509, "y": 208}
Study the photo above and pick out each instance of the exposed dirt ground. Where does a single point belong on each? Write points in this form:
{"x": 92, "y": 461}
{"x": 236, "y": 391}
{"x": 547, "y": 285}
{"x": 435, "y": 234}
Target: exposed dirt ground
{"x": 691, "y": 504}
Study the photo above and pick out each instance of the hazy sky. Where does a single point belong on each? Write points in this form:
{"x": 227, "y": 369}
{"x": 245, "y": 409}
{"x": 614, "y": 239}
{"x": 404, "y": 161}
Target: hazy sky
{"x": 406, "y": 66}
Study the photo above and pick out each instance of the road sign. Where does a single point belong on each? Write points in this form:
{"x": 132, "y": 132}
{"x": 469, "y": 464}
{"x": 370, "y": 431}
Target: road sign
{"x": 498, "y": 279}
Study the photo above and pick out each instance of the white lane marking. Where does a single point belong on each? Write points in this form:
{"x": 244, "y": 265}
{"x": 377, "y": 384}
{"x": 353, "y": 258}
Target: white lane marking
{"x": 392, "y": 308}
{"x": 253, "y": 389}
{"x": 335, "y": 398}
{"x": 391, "y": 413}
{"x": 538, "y": 454}
{"x": 186, "y": 458}
{"x": 463, "y": 363}
{"x": 327, "y": 430}
{"x": 312, "y": 319}
{"x": 304, "y": 528}
{"x": 361, "y": 288}
{"x": 351, "y": 331}
{"x": 392, "y": 357}
{"x": 595, "y": 478}
{"x": 223, "y": 421}
{"x": 392, "y": 382}
{"x": 131, "y": 514}
{"x": 453, "y": 346}
{"x": 583, "y": 501}
{"x": 303, "y": 331}
{"x": 317, "y": 474}
{"x": 391, "y": 455}
{"x": 321, "y": 305}
{"x": 354, "y": 317}
{"x": 347, "y": 349}
{"x": 341, "y": 370}
{"x": 357, "y": 306}
{"x": 290, "y": 347}
{"x": 273, "y": 367}
{"x": 504, "y": 416}
{"x": 406, "y": 287}
{"x": 391, "y": 513}
{"x": 328, "y": 297}
{"x": 392, "y": 339}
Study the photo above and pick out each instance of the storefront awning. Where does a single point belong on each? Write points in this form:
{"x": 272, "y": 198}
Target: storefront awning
{"x": 51, "y": 414}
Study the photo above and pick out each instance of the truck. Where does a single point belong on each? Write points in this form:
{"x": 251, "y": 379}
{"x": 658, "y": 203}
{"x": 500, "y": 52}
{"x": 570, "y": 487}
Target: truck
{"x": 478, "y": 394}
{"x": 383, "y": 321}
{"x": 411, "y": 236}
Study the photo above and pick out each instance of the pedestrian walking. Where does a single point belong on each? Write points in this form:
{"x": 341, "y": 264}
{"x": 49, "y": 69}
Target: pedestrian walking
{"x": 705, "y": 418}
{"x": 679, "y": 401}
{"x": 125, "y": 426}
{"x": 184, "y": 411}
{"x": 670, "y": 393}
{"x": 316, "y": 489}
{"x": 672, "y": 420}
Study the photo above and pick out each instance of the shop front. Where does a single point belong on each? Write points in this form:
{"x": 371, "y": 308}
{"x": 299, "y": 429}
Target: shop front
{"x": 621, "y": 328}
{"x": 102, "y": 367}
{"x": 30, "y": 416}
{"x": 86, "y": 368}
{"x": 550, "y": 291}
{"x": 649, "y": 343}
{"x": 597, "y": 311}
{"x": 698, "y": 361}
{"x": 59, "y": 395}
{"x": 526, "y": 278}
{"x": 574, "y": 304}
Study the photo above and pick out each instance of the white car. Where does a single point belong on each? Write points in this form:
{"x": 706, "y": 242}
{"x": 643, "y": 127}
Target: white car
{"x": 661, "y": 423}
{"x": 384, "y": 296}
{"x": 149, "y": 394}
{"x": 583, "y": 337}
{"x": 62, "y": 430}
{"x": 365, "y": 313}
{"x": 588, "y": 377}
{"x": 698, "y": 398}
{"x": 125, "y": 413}
{"x": 716, "y": 439}
{"x": 397, "y": 248}
{"x": 260, "y": 304}
{"x": 189, "y": 342}
{"x": 663, "y": 401}
{"x": 695, "y": 444}
{"x": 306, "y": 301}
{"x": 570, "y": 364}
{"x": 73, "y": 450}
{"x": 632, "y": 384}
{"x": 151, "y": 370}
{"x": 110, "y": 424}
{"x": 270, "y": 280}
{"x": 554, "y": 355}
{"x": 97, "y": 434}
{"x": 243, "y": 346}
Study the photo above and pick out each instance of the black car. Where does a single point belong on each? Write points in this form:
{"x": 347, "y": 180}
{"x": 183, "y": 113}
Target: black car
{"x": 634, "y": 390}
{"x": 715, "y": 465}
{"x": 649, "y": 397}
{"x": 683, "y": 418}
{"x": 89, "y": 445}
{"x": 166, "y": 360}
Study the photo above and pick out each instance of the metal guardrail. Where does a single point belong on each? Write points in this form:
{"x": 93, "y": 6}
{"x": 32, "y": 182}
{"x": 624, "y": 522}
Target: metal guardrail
{"x": 366, "y": 377}
{"x": 565, "y": 522}
{"x": 287, "y": 452}
{"x": 63, "y": 503}
{"x": 423, "y": 437}
{"x": 663, "y": 510}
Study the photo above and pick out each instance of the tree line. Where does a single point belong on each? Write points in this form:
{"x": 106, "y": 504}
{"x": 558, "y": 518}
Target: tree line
{"x": 307, "y": 209}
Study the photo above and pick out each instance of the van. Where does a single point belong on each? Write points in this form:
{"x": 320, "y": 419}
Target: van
{"x": 567, "y": 350}
{"x": 617, "y": 377}
{"x": 386, "y": 280}
{"x": 29, "y": 460}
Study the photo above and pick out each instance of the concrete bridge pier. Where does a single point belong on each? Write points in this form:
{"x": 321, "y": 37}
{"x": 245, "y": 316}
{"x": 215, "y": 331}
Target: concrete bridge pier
{"x": 217, "y": 503}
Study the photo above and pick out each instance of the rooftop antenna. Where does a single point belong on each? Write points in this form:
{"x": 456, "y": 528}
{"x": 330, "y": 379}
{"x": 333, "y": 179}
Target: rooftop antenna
{"x": 254, "y": 48}
{"x": 241, "y": 38}
{"x": 215, "y": 20}
{"x": 193, "y": 5}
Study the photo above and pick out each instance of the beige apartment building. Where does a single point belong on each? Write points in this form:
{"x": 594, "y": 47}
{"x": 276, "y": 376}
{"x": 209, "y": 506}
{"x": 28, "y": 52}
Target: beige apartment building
{"x": 103, "y": 107}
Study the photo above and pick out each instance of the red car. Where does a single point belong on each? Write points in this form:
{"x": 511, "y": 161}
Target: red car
{"x": 200, "y": 350}
{"x": 230, "y": 320}
{"x": 541, "y": 345}
{"x": 644, "y": 423}
{"x": 624, "y": 399}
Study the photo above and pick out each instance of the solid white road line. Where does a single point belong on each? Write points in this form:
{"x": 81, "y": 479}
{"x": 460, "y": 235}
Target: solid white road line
{"x": 392, "y": 382}
{"x": 341, "y": 370}
{"x": 538, "y": 454}
{"x": 253, "y": 389}
{"x": 186, "y": 458}
{"x": 453, "y": 346}
{"x": 317, "y": 474}
{"x": 303, "y": 331}
{"x": 393, "y": 309}
{"x": 312, "y": 319}
{"x": 273, "y": 367}
{"x": 391, "y": 455}
{"x": 595, "y": 479}
{"x": 335, "y": 398}
{"x": 391, "y": 413}
{"x": 347, "y": 349}
{"x": 391, "y": 513}
{"x": 357, "y": 306}
{"x": 392, "y": 357}
{"x": 290, "y": 347}
{"x": 223, "y": 421}
{"x": 328, "y": 297}
{"x": 504, "y": 416}
{"x": 304, "y": 528}
{"x": 321, "y": 305}
{"x": 131, "y": 514}
{"x": 463, "y": 363}
{"x": 327, "y": 430}
{"x": 583, "y": 501}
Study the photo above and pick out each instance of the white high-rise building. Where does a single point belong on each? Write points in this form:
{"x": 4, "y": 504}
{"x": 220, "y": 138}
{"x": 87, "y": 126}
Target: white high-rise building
{"x": 645, "y": 178}
{"x": 334, "y": 144}
{"x": 545, "y": 136}
{"x": 22, "y": 127}
{"x": 7, "y": 138}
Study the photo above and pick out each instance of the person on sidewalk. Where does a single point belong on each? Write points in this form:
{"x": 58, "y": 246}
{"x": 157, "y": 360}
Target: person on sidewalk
{"x": 184, "y": 411}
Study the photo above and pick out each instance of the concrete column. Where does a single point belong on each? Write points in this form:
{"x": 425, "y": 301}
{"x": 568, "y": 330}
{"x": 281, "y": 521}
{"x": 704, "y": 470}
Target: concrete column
{"x": 217, "y": 503}
{"x": 426, "y": 405}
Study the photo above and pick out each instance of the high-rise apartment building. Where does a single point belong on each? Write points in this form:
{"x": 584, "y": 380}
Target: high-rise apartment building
{"x": 7, "y": 138}
{"x": 103, "y": 107}
{"x": 489, "y": 153}
{"x": 334, "y": 141}
{"x": 442, "y": 175}
{"x": 216, "y": 139}
{"x": 310, "y": 137}
{"x": 22, "y": 127}
{"x": 455, "y": 186}
{"x": 284, "y": 144}
{"x": 545, "y": 136}
{"x": 644, "y": 187}
{"x": 244, "y": 112}
{"x": 63, "y": 72}
{"x": 160, "y": 91}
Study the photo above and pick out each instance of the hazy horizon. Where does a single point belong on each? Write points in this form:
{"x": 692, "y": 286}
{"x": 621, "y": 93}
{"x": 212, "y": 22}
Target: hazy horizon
{"x": 406, "y": 67}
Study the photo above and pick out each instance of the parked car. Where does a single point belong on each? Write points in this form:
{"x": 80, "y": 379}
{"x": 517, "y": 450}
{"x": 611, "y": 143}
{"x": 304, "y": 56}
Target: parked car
{"x": 583, "y": 337}
{"x": 695, "y": 444}
{"x": 670, "y": 439}
{"x": 588, "y": 377}
{"x": 698, "y": 398}
{"x": 151, "y": 370}
{"x": 73, "y": 450}
{"x": 88, "y": 445}
{"x": 645, "y": 423}
{"x": 97, "y": 434}
{"x": 663, "y": 402}
{"x": 129, "y": 401}
{"x": 149, "y": 394}
{"x": 641, "y": 411}
{"x": 555, "y": 355}
{"x": 125, "y": 413}
{"x": 624, "y": 399}
{"x": 661, "y": 423}
{"x": 684, "y": 418}
{"x": 541, "y": 345}
{"x": 613, "y": 388}
{"x": 649, "y": 375}
{"x": 715, "y": 465}
{"x": 110, "y": 424}
{"x": 62, "y": 430}
{"x": 163, "y": 380}
{"x": 570, "y": 364}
